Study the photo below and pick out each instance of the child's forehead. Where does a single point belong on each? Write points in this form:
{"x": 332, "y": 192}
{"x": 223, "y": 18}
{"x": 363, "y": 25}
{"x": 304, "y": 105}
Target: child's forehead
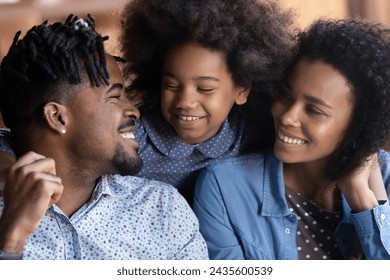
{"x": 194, "y": 46}
{"x": 190, "y": 56}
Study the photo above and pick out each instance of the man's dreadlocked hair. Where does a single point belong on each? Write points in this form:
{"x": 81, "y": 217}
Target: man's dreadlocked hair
{"x": 44, "y": 65}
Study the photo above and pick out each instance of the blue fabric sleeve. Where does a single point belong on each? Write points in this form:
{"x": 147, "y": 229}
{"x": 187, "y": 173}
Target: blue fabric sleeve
{"x": 373, "y": 229}
{"x": 373, "y": 226}
{"x": 6, "y": 144}
{"x": 214, "y": 224}
{"x": 384, "y": 162}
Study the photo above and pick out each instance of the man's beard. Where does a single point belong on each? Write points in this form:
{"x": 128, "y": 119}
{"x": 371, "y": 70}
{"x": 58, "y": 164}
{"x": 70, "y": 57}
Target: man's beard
{"x": 126, "y": 164}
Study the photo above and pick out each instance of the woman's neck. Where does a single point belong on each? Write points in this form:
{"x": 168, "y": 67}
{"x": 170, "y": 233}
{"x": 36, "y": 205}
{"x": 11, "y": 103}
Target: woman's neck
{"x": 310, "y": 181}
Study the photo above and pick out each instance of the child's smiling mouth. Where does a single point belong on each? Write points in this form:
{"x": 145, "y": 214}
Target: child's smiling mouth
{"x": 188, "y": 118}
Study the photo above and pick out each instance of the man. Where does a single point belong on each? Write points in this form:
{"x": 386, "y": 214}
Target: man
{"x": 63, "y": 98}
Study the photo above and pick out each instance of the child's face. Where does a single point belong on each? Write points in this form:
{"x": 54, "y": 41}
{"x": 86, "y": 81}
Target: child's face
{"x": 197, "y": 92}
{"x": 312, "y": 113}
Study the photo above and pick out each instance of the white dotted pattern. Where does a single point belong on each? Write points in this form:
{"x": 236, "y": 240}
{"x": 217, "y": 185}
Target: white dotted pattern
{"x": 126, "y": 218}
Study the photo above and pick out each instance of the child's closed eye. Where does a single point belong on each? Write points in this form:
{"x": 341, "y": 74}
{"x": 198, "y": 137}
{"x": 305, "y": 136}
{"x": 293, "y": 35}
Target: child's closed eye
{"x": 205, "y": 90}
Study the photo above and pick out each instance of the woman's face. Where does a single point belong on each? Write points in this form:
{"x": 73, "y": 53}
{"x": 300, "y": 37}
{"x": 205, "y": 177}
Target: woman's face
{"x": 312, "y": 113}
{"x": 197, "y": 92}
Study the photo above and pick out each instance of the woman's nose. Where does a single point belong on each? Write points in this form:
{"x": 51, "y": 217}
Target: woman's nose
{"x": 291, "y": 116}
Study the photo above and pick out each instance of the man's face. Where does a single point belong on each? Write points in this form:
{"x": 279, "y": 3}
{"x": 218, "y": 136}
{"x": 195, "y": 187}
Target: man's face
{"x": 101, "y": 133}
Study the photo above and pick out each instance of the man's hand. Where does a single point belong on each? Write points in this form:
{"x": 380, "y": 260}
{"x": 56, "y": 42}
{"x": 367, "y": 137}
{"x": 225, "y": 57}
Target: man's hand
{"x": 31, "y": 187}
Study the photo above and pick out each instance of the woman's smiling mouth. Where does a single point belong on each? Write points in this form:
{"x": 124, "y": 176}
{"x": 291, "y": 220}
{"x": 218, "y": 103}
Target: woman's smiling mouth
{"x": 290, "y": 140}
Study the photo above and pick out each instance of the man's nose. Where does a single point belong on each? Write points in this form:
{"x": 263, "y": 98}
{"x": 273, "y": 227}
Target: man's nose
{"x": 129, "y": 109}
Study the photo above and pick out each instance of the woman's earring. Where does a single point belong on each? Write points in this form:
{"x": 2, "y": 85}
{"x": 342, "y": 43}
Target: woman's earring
{"x": 63, "y": 131}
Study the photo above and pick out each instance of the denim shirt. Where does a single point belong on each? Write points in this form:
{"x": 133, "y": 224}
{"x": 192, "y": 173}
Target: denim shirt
{"x": 243, "y": 214}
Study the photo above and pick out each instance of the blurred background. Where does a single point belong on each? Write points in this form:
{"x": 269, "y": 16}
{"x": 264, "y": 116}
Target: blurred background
{"x": 18, "y": 15}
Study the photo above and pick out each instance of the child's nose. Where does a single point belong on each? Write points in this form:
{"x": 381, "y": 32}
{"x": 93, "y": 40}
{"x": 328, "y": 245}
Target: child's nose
{"x": 186, "y": 99}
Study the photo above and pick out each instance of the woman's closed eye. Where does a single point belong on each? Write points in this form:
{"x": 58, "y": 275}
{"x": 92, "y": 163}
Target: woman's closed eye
{"x": 312, "y": 110}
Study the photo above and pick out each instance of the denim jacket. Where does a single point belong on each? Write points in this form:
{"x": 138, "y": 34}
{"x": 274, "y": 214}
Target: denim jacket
{"x": 241, "y": 206}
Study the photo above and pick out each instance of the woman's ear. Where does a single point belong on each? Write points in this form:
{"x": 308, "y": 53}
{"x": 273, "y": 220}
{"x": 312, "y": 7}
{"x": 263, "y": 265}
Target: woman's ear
{"x": 242, "y": 95}
{"x": 56, "y": 116}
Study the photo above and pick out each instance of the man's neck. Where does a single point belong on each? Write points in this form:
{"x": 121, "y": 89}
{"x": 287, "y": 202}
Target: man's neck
{"x": 73, "y": 199}
{"x": 79, "y": 185}
{"x": 77, "y": 178}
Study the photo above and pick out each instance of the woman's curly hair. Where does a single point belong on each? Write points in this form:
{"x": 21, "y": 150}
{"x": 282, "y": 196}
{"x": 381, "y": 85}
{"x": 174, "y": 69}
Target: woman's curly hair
{"x": 254, "y": 36}
{"x": 360, "y": 50}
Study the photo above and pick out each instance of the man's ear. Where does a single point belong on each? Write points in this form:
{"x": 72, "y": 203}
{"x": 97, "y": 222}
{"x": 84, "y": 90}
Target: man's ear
{"x": 56, "y": 117}
{"x": 242, "y": 96}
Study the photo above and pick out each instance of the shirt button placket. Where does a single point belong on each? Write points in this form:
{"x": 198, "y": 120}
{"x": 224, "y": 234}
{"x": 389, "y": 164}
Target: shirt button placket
{"x": 70, "y": 240}
{"x": 69, "y": 227}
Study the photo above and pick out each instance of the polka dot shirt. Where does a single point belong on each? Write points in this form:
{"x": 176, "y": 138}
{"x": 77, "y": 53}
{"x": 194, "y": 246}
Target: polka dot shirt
{"x": 6, "y": 144}
{"x": 316, "y": 228}
{"x": 126, "y": 218}
{"x": 170, "y": 160}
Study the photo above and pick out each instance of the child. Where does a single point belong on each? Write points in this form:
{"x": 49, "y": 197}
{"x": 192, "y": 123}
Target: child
{"x": 195, "y": 63}
{"x": 311, "y": 198}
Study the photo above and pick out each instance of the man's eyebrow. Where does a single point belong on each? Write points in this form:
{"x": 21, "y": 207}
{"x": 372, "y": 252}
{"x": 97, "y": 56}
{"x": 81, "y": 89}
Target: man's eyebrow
{"x": 115, "y": 86}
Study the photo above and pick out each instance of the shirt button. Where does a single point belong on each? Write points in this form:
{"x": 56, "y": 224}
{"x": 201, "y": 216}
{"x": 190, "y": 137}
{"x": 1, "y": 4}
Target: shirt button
{"x": 69, "y": 227}
{"x": 287, "y": 230}
{"x": 383, "y": 217}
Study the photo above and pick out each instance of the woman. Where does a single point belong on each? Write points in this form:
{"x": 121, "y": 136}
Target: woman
{"x": 312, "y": 197}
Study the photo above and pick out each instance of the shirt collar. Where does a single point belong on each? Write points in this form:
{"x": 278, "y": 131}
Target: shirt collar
{"x": 166, "y": 141}
{"x": 117, "y": 186}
